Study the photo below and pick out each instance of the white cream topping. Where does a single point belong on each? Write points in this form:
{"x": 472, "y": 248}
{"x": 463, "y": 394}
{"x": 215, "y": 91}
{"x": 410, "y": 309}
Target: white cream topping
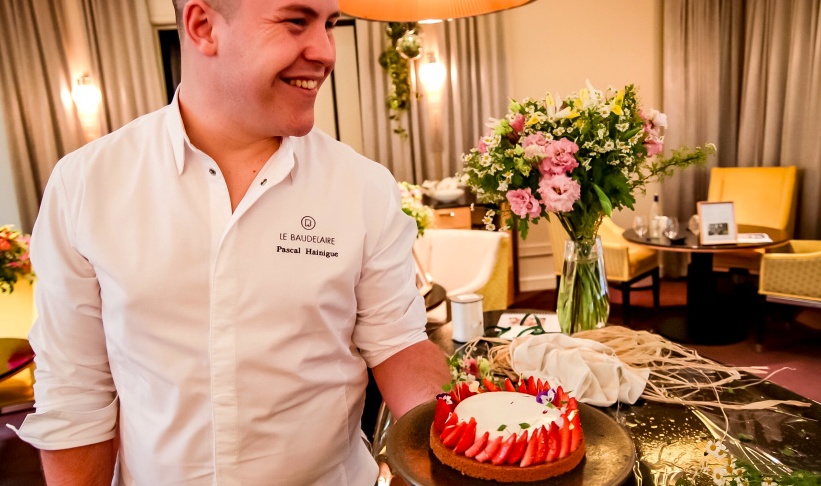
{"x": 511, "y": 409}
{"x": 303, "y": 83}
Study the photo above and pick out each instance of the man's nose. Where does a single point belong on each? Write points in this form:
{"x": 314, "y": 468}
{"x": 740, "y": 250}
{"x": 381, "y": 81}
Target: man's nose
{"x": 322, "y": 48}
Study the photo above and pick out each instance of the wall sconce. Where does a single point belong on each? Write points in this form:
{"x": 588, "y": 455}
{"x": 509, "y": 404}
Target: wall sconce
{"x": 416, "y": 10}
{"x": 432, "y": 74}
{"x": 85, "y": 95}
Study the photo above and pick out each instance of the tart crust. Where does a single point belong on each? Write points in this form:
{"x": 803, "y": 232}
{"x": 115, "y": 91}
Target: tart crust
{"x": 504, "y": 472}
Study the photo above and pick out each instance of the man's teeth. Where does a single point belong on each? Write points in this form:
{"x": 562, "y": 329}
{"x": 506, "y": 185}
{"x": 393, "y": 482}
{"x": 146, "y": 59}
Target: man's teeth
{"x": 303, "y": 83}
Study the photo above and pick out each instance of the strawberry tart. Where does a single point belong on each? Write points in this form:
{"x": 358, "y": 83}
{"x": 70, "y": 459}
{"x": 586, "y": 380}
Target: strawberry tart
{"x": 509, "y": 435}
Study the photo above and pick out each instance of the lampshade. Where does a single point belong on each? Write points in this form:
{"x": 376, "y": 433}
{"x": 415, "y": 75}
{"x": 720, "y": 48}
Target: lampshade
{"x": 417, "y": 10}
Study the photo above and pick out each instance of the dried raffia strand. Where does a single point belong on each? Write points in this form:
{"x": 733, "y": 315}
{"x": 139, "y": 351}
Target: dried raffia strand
{"x": 664, "y": 359}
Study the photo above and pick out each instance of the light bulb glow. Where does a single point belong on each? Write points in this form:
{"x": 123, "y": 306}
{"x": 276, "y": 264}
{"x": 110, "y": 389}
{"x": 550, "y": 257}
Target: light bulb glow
{"x": 85, "y": 95}
{"x": 433, "y": 75}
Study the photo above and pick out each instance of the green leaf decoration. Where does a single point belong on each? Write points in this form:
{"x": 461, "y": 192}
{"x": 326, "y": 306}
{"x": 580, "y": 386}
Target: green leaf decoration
{"x": 502, "y": 427}
{"x": 524, "y": 425}
{"x": 604, "y": 200}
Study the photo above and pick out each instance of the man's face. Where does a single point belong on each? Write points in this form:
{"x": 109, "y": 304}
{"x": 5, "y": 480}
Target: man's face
{"x": 273, "y": 55}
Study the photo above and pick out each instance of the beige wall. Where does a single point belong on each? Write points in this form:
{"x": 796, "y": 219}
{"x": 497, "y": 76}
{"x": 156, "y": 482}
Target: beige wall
{"x": 556, "y": 46}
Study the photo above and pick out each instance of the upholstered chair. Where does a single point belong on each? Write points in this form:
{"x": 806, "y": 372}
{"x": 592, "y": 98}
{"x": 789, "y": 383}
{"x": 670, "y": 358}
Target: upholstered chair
{"x": 762, "y": 196}
{"x": 791, "y": 274}
{"x": 625, "y": 263}
{"x": 466, "y": 261}
{"x": 18, "y": 315}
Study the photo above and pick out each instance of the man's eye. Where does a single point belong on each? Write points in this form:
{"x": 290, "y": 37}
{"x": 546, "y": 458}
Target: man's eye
{"x": 300, "y": 22}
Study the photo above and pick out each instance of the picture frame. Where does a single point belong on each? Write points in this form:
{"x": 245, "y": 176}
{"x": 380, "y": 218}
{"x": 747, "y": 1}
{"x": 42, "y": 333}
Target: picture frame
{"x": 717, "y": 226}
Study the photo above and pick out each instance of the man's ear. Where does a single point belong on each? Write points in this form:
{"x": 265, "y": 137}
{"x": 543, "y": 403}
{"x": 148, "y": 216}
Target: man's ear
{"x": 198, "y": 20}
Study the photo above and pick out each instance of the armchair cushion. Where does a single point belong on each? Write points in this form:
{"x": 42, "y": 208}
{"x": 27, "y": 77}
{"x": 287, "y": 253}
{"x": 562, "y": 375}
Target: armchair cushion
{"x": 792, "y": 271}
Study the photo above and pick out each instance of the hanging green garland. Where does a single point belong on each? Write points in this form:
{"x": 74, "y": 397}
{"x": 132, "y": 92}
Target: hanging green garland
{"x": 403, "y": 45}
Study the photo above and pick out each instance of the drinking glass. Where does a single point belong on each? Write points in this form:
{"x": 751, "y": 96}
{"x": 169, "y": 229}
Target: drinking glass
{"x": 640, "y": 226}
{"x": 694, "y": 225}
{"x": 671, "y": 227}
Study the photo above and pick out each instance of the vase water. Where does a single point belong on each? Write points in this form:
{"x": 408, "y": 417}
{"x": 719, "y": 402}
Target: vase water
{"x": 583, "y": 299}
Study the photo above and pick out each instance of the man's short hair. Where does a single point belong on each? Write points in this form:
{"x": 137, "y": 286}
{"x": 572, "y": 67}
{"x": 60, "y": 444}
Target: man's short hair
{"x": 226, "y": 8}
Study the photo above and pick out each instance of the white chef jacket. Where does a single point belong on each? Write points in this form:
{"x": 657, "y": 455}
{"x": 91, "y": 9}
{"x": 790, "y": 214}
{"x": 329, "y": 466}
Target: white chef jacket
{"x": 231, "y": 347}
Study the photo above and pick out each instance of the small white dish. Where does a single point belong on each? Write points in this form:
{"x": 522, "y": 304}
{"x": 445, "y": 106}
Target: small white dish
{"x": 447, "y": 195}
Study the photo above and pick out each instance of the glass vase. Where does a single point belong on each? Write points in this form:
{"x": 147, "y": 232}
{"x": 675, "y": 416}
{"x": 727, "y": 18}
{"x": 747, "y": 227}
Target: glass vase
{"x": 583, "y": 301}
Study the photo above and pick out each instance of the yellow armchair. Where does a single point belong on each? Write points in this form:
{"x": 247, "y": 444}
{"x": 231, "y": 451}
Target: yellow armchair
{"x": 763, "y": 196}
{"x": 625, "y": 263}
{"x": 18, "y": 313}
{"x": 792, "y": 272}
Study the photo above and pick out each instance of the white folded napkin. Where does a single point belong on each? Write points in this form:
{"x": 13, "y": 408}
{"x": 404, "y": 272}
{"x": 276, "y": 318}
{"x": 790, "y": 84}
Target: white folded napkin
{"x": 589, "y": 369}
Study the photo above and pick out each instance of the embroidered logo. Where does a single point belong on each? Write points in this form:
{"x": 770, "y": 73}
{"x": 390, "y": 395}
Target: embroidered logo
{"x": 308, "y": 222}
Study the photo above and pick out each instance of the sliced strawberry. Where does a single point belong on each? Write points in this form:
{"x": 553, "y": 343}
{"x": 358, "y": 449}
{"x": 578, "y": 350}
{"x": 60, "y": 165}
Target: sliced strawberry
{"x": 522, "y": 386}
{"x": 441, "y": 415}
{"x": 531, "y": 386}
{"x": 477, "y": 446}
{"x": 454, "y": 396}
{"x": 448, "y": 430}
{"x": 572, "y": 404}
{"x": 509, "y": 385}
{"x": 453, "y": 419}
{"x": 467, "y": 438}
{"x": 539, "y": 386}
{"x": 557, "y": 399}
{"x": 564, "y": 438}
{"x": 490, "y": 386}
{"x": 527, "y": 458}
{"x": 501, "y": 455}
{"x": 518, "y": 449}
{"x": 564, "y": 399}
{"x": 541, "y": 446}
{"x": 575, "y": 430}
{"x": 490, "y": 450}
{"x": 552, "y": 443}
{"x": 452, "y": 439}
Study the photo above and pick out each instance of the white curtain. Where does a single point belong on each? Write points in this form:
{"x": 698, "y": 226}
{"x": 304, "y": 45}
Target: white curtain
{"x": 745, "y": 75}
{"x": 124, "y": 57}
{"x": 440, "y": 126}
{"x": 35, "y": 82}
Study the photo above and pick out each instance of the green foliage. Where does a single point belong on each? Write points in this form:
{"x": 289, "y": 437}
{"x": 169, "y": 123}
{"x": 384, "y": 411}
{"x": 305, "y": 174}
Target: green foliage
{"x": 398, "y": 70}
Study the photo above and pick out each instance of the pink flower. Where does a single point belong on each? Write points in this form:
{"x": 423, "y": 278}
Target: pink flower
{"x": 559, "y": 192}
{"x": 483, "y": 144}
{"x": 472, "y": 367}
{"x": 518, "y": 123}
{"x": 559, "y": 157}
{"x": 535, "y": 146}
{"x": 653, "y": 146}
{"x": 523, "y": 203}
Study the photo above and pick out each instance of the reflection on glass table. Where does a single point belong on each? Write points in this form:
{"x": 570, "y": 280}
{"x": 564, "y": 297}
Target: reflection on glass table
{"x": 670, "y": 439}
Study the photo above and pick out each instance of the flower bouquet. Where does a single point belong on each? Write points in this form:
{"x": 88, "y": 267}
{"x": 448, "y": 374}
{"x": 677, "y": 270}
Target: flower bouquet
{"x": 413, "y": 207}
{"x": 14, "y": 258}
{"x": 578, "y": 158}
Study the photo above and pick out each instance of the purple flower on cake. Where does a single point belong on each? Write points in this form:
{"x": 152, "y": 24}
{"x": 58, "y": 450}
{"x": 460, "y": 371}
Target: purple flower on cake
{"x": 559, "y": 192}
{"x": 559, "y": 157}
{"x": 524, "y": 204}
{"x": 546, "y": 396}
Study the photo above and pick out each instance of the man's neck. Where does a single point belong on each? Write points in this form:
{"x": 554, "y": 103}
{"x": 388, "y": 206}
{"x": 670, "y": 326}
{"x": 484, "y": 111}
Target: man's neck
{"x": 239, "y": 155}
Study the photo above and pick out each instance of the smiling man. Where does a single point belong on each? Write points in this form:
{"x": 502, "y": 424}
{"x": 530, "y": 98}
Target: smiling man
{"x": 216, "y": 277}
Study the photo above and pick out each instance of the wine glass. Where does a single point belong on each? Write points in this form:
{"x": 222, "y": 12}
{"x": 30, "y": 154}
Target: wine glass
{"x": 671, "y": 227}
{"x": 694, "y": 225}
{"x": 640, "y": 226}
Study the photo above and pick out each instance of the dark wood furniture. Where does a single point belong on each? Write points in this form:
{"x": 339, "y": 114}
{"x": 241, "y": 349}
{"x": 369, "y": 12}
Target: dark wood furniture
{"x": 709, "y": 320}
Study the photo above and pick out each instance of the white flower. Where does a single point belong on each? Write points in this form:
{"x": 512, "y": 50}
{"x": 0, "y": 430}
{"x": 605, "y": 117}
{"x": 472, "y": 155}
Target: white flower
{"x": 587, "y": 145}
{"x": 768, "y": 482}
{"x": 490, "y": 226}
{"x": 486, "y": 160}
{"x": 658, "y": 118}
{"x": 622, "y": 126}
{"x": 558, "y": 131}
{"x": 497, "y": 167}
{"x": 502, "y": 186}
{"x": 601, "y": 132}
{"x": 508, "y": 175}
{"x": 605, "y": 111}
{"x": 474, "y": 387}
{"x": 608, "y": 146}
{"x": 490, "y": 213}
